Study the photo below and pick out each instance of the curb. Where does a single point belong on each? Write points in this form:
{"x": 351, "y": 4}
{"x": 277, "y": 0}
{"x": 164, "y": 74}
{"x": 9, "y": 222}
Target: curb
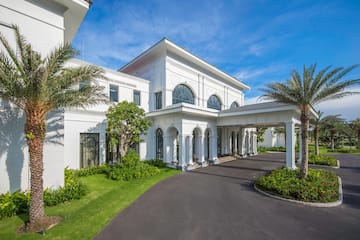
{"x": 312, "y": 204}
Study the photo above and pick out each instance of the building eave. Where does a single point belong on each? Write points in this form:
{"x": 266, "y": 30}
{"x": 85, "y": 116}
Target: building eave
{"x": 166, "y": 45}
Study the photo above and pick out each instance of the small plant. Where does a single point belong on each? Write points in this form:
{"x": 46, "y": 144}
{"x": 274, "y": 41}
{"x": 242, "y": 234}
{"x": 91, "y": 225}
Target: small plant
{"x": 156, "y": 162}
{"x": 318, "y": 186}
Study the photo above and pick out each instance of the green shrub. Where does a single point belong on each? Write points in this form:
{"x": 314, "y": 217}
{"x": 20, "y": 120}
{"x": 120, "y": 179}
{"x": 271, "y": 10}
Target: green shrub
{"x": 130, "y": 168}
{"x": 346, "y": 150}
{"x": 323, "y": 160}
{"x": 319, "y": 186}
{"x": 272, "y": 149}
{"x": 15, "y": 203}
{"x": 19, "y": 202}
{"x": 83, "y": 172}
{"x": 156, "y": 162}
{"x": 73, "y": 189}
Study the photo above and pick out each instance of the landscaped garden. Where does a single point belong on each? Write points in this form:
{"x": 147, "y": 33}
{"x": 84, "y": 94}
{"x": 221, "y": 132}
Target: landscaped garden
{"x": 105, "y": 198}
{"x": 319, "y": 186}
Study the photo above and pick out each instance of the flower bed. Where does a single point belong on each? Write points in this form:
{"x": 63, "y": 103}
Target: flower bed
{"x": 320, "y": 185}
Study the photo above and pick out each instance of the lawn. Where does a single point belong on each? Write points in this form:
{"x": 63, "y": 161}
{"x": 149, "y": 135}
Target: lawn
{"x": 86, "y": 217}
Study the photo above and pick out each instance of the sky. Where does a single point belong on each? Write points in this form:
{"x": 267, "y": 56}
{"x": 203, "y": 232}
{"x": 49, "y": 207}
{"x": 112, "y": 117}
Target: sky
{"x": 257, "y": 41}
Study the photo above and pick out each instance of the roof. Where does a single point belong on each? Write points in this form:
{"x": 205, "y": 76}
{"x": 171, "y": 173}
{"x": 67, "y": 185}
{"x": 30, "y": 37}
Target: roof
{"x": 263, "y": 108}
{"x": 257, "y": 106}
{"x": 165, "y": 45}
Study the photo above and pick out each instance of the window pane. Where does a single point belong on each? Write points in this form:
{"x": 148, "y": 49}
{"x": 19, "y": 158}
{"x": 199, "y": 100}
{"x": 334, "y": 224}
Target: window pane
{"x": 89, "y": 149}
{"x": 114, "y": 93}
{"x": 183, "y": 93}
{"x": 214, "y": 102}
{"x": 137, "y": 97}
{"x": 159, "y": 144}
{"x": 158, "y": 100}
{"x": 234, "y": 105}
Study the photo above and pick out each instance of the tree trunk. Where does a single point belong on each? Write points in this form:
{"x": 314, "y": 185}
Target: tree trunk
{"x": 35, "y": 130}
{"x": 316, "y": 136}
{"x": 358, "y": 135}
{"x": 332, "y": 140}
{"x": 304, "y": 118}
{"x": 123, "y": 146}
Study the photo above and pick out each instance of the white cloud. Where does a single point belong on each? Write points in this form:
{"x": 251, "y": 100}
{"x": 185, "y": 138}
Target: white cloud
{"x": 348, "y": 107}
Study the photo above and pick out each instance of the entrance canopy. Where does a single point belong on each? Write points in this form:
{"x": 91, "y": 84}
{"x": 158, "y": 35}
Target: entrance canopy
{"x": 267, "y": 114}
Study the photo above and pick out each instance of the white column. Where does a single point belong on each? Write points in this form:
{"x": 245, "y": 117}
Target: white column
{"x": 213, "y": 148}
{"x": 290, "y": 145}
{"x": 243, "y": 142}
{"x": 255, "y": 144}
{"x": 190, "y": 149}
{"x": 300, "y": 148}
{"x": 182, "y": 151}
{"x": 167, "y": 153}
{"x": 235, "y": 142}
{"x": 201, "y": 148}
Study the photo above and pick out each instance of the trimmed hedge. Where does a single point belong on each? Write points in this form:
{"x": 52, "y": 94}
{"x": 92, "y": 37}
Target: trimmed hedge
{"x": 323, "y": 160}
{"x": 319, "y": 186}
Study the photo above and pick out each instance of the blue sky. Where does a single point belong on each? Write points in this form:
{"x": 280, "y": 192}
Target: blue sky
{"x": 257, "y": 41}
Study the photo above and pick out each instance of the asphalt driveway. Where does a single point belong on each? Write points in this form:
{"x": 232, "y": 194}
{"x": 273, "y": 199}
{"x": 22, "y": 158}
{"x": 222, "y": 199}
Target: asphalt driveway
{"x": 219, "y": 202}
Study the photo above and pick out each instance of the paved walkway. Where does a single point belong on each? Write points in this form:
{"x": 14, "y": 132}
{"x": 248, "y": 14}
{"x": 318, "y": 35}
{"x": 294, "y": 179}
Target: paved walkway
{"x": 218, "y": 202}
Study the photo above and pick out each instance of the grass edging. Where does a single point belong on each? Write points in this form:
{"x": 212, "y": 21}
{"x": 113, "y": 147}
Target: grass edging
{"x": 312, "y": 204}
{"x": 326, "y": 166}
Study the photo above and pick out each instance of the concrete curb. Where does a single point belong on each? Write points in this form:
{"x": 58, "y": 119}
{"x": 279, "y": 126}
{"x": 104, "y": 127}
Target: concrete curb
{"x": 325, "y": 166}
{"x": 312, "y": 204}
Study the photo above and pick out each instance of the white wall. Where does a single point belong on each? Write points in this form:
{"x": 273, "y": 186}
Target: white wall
{"x": 35, "y": 19}
{"x": 202, "y": 84}
{"x": 93, "y": 119}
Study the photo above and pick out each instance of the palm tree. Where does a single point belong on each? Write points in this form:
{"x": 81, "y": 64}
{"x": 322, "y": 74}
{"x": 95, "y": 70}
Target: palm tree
{"x": 37, "y": 86}
{"x": 307, "y": 90}
{"x": 316, "y": 123}
{"x": 332, "y": 124}
{"x": 355, "y": 125}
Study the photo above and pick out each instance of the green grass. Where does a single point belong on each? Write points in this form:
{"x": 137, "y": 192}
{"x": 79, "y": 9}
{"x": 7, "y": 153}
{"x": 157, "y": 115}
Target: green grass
{"x": 86, "y": 217}
{"x": 320, "y": 185}
{"x": 325, "y": 150}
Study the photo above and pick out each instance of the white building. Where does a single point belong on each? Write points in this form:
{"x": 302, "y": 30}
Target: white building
{"x": 197, "y": 110}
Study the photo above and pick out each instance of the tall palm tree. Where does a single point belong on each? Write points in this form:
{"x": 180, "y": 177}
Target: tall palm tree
{"x": 316, "y": 123}
{"x": 332, "y": 124}
{"x": 307, "y": 90}
{"x": 37, "y": 86}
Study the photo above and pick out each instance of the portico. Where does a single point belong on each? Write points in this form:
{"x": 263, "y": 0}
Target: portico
{"x": 195, "y": 137}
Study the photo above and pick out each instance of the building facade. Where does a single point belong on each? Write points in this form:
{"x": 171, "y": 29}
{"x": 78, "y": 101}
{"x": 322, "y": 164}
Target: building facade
{"x": 197, "y": 111}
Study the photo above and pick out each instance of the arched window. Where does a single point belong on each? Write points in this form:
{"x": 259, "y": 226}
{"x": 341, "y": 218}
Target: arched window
{"x": 234, "y": 105}
{"x": 214, "y": 102}
{"x": 183, "y": 93}
{"x": 159, "y": 144}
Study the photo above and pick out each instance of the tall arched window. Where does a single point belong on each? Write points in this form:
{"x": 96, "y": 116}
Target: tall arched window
{"x": 159, "y": 144}
{"x": 183, "y": 93}
{"x": 234, "y": 105}
{"x": 214, "y": 102}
